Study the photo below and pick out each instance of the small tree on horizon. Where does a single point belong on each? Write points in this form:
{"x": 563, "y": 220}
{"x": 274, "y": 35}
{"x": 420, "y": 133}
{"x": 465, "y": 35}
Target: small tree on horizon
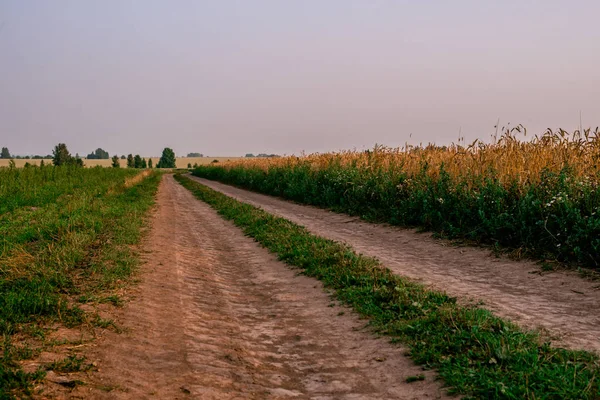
{"x": 167, "y": 160}
{"x": 137, "y": 161}
{"x": 115, "y": 162}
{"x": 130, "y": 162}
{"x": 98, "y": 154}
{"x": 144, "y": 164}
{"x": 61, "y": 155}
{"x": 5, "y": 154}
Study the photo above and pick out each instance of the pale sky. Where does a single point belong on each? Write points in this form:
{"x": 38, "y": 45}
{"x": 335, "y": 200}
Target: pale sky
{"x": 228, "y": 77}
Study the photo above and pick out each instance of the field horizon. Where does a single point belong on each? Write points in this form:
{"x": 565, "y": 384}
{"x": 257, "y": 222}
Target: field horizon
{"x": 181, "y": 162}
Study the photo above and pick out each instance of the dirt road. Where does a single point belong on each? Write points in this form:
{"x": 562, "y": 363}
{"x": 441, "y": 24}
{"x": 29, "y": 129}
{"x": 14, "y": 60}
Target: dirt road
{"x": 562, "y": 303}
{"x": 218, "y": 317}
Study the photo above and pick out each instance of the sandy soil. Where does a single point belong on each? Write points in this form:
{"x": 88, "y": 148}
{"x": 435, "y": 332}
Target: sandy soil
{"x": 218, "y": 317}
{"x": 561, "y": 303}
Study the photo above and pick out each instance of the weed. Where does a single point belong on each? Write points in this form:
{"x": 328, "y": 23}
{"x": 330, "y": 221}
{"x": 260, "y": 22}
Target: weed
{"x": 115, "y": 300}
{"x": 71, "y": 363}
{"x": 415, "y": 378}
{"x": 106, "y": 323}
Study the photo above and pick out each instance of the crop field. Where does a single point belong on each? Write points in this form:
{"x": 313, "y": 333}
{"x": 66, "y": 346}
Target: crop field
{"x": 182, "y": 162}
{"x": 65, "y": 244}
{"x": 537, "y": 197}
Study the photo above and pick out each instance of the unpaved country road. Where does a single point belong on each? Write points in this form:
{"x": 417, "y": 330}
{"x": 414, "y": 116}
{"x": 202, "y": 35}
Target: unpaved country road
{"x": 218, "y": 317}
{"x": 561, "y": 302}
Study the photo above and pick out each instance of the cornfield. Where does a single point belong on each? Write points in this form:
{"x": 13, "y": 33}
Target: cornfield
{"x": 539, "y": 196}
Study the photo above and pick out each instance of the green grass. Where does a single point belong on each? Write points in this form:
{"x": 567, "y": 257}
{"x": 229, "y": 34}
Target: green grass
{"x": 72, "y": 363}
{"x": 475, "y": 353}
{"x": 66, "y": 234}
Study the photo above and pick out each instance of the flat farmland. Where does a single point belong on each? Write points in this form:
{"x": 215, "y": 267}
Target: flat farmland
{"x": 424, "y": 272}
{"x": 182, "y": 162}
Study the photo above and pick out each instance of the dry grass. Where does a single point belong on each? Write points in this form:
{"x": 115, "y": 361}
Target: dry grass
{"x": 129, "y": 182}
{"x": 511, "y": 157}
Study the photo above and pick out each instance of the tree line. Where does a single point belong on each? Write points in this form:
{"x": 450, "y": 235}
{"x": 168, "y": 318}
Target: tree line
{"x": 61, "y": 156}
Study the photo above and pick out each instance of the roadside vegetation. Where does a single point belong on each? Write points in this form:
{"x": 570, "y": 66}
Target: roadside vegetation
{"x": 540, "y": 198}
{"x": 475, "y": 353}
{"x": 65, "y": 240}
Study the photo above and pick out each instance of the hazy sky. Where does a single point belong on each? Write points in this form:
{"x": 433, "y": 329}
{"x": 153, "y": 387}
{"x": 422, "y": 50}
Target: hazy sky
{"x": 227, "y": 77}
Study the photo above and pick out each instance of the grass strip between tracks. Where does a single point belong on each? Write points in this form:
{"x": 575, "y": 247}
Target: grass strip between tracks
{"x": 476, "y": 353}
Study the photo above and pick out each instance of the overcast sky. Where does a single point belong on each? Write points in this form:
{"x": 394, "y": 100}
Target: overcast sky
{"x": 228, "y": 77}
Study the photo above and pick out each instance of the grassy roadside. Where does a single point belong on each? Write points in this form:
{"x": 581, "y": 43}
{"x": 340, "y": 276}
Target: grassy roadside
{"x": 474, "y": 352}
{"x": 66, "y": 241}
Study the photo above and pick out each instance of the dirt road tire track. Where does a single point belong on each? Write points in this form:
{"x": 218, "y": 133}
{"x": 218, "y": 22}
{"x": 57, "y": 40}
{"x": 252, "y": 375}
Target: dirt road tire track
{"x": 561, "y": 303}
{"x": 218, "y": 317}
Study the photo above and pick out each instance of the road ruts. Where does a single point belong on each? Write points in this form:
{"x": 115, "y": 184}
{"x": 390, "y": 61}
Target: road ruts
{"x": 560, "y": 303}
{"x": 218, "y": 317}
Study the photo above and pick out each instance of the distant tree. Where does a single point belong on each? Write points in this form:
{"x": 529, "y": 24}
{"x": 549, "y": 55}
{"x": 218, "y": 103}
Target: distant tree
{"x": 115, "y": 162}
{"x": 249, "y": 155}
{"x": 123, "y": 157}
{"x": 167, "y": 160}
{"x": 98, "y": 154}
{"x": 149, "y": 163}
{"x": 189, "y": 165}
{"x": 195, "y": 155}
{"x": 130, "y": 162}
{"x": 42, "y": 164}
{"x": 144, "y": 164}
{"x": 61, "y": 155}
{"x": 214, "y": 161}
{"x": 5, "y": 154}
{"x": 137, "y": 161}
{"x": 195, "y": 165}
{"x": 27, "y": 165}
